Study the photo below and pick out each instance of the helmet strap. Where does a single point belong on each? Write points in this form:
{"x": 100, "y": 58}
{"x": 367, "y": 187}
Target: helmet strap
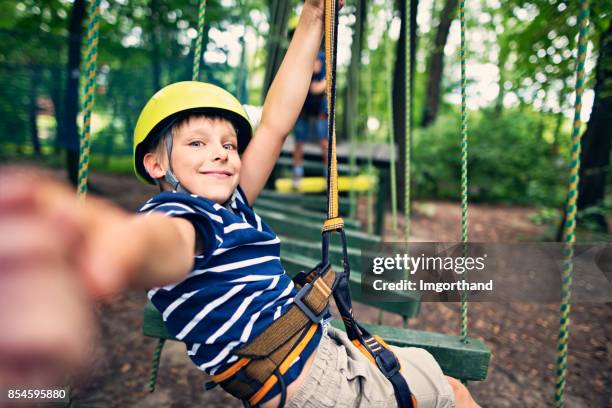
{"x": 169, "y": 177}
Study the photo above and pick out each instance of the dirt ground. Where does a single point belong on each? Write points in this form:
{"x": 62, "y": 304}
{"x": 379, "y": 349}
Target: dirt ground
{"x": 522, "y": 337}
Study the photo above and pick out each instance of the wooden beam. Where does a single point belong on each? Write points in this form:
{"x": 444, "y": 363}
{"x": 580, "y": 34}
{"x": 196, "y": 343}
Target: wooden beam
{"x": 316, "y": 217}
{"x": 466, "y": 361}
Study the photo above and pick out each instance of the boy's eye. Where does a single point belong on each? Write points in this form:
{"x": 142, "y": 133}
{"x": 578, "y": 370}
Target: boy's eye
{"x": 230, "y": 146}
{"x": 196, "y": 143}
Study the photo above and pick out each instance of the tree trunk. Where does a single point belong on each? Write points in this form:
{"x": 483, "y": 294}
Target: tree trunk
{"x": 435, "y": 66}
{"x": 351, "y": 116}
{"x": 154, "y": 27}
{"x": 351, "y": 104}
{"x": 596, "y": 144}
{"x": 277, "y": 40}
{"x": 501, "y": 66}
{"x": 69, "y": 139}
{"x": 33, "y": 111}
{"x": 596, "y": 141}
{"x": 399, "y": 91}
{"x": 57, "y": 94}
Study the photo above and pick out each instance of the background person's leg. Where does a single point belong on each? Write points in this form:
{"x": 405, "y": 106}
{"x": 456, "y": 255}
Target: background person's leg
{"x": 321, "y": 136}
{"x": 300, "y": 133}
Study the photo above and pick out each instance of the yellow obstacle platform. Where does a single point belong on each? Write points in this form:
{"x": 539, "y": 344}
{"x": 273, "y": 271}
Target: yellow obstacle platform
{"x": 359, "y": 183}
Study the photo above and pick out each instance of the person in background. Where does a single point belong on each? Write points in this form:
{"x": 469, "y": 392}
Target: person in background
{"x": 312, "y": 122}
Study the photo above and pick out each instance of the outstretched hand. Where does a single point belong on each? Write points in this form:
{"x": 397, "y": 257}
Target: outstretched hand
{"x": 47, "y": 278}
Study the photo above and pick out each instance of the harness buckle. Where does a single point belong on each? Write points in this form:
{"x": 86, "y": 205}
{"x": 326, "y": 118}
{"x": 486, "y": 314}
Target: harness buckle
{"x": 298, "y": 300}
{"x": 387, "y": 363}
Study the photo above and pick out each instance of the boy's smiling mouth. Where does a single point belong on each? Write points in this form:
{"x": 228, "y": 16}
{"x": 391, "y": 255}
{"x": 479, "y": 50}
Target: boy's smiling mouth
{"x": 221, "y": 174}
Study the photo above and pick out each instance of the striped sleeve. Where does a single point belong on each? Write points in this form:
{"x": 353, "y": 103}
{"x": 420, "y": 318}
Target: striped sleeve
{"x": 201, "y": 221}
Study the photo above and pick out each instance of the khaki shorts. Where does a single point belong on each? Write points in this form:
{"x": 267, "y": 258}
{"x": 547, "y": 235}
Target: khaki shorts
{"x": 340, "y": 376}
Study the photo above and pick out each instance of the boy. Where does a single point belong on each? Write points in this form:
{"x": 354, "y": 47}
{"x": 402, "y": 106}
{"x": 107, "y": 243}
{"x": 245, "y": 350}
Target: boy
{"x": 200, "y": 238}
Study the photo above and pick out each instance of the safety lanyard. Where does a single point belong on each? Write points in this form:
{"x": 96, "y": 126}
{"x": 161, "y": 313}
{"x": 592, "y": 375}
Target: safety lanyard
{"x": 374, "y": 347}
{"x": 333, "y": 222}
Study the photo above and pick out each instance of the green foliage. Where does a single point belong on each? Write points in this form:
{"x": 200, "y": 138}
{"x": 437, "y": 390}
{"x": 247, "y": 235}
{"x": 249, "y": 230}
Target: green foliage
{"x": 508, "y": 160}
{"x": 516, "y": 155}
{"x": 546, "y": 216}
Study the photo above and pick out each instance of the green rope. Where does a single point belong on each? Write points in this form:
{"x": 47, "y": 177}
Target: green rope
{"x": 197, "y": 54}
{"x": 91, "y": 57}
{"x": 155, "y": 364}
{"x": 464, "y": 156}
{"x": 408, "y": 120}
{"x": 243, "y": 68}
{"x": 570, "y": 224}
{"x": 391, "y": 136}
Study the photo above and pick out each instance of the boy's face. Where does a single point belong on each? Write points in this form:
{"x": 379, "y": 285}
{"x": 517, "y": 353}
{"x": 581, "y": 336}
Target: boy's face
{"x": 205, "y": 158}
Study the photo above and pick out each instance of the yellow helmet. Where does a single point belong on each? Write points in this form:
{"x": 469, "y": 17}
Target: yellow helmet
{"x": 180, "y": 98}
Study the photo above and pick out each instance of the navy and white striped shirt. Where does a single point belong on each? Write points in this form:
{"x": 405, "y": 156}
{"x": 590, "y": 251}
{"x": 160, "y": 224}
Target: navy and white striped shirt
{"x": 236, "y": 289}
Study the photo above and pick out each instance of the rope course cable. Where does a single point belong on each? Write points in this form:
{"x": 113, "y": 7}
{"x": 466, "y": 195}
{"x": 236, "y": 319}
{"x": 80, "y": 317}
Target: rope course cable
{"x": 93, "y": 29}
{"x": 464, "y": 159}
{"x": 408, "y": 118}
{"x": 155, "y": 364}
{"x": 569, "y": 232}
{"x": 197, "y": 54}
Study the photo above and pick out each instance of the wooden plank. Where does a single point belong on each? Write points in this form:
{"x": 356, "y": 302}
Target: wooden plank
{"x": 315, "y": 202}
{"x": 317, "y": 167}
{"x": 312, "y": 249}
{"x": 359, "y": 183}
{"x": 289, "y": 226}
{"x": 466, "y": 361}
{"x": 153, "y": 324}
{"x": 316, "y": 217}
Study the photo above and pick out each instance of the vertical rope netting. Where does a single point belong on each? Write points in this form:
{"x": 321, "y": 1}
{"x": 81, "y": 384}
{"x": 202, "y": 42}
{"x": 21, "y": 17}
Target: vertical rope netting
{"x": 464, "y": 175}
{"x": 197, "y": 53}
{"x": 408, "y": 119}
{"x": 392, "y": 167}
{"x": 91, "y": 57}
{"x": 155, "y": 364}
{"x": 570, "y": 224}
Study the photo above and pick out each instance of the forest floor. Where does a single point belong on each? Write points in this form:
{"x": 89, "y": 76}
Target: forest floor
{"x": 522, "y": 336}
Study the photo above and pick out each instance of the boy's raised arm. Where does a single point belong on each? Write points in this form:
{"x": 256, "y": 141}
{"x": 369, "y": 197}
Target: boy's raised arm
{"x": 284, "y": 100}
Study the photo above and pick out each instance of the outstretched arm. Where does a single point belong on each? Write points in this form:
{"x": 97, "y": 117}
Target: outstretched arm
{"x": 110, "y": 249}
{"x": 284, "y": 100}
{"x": 56, "y": 255}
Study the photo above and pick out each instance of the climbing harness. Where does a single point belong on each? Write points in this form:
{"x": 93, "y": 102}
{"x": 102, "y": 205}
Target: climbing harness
{"x": 265, "y": 359}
